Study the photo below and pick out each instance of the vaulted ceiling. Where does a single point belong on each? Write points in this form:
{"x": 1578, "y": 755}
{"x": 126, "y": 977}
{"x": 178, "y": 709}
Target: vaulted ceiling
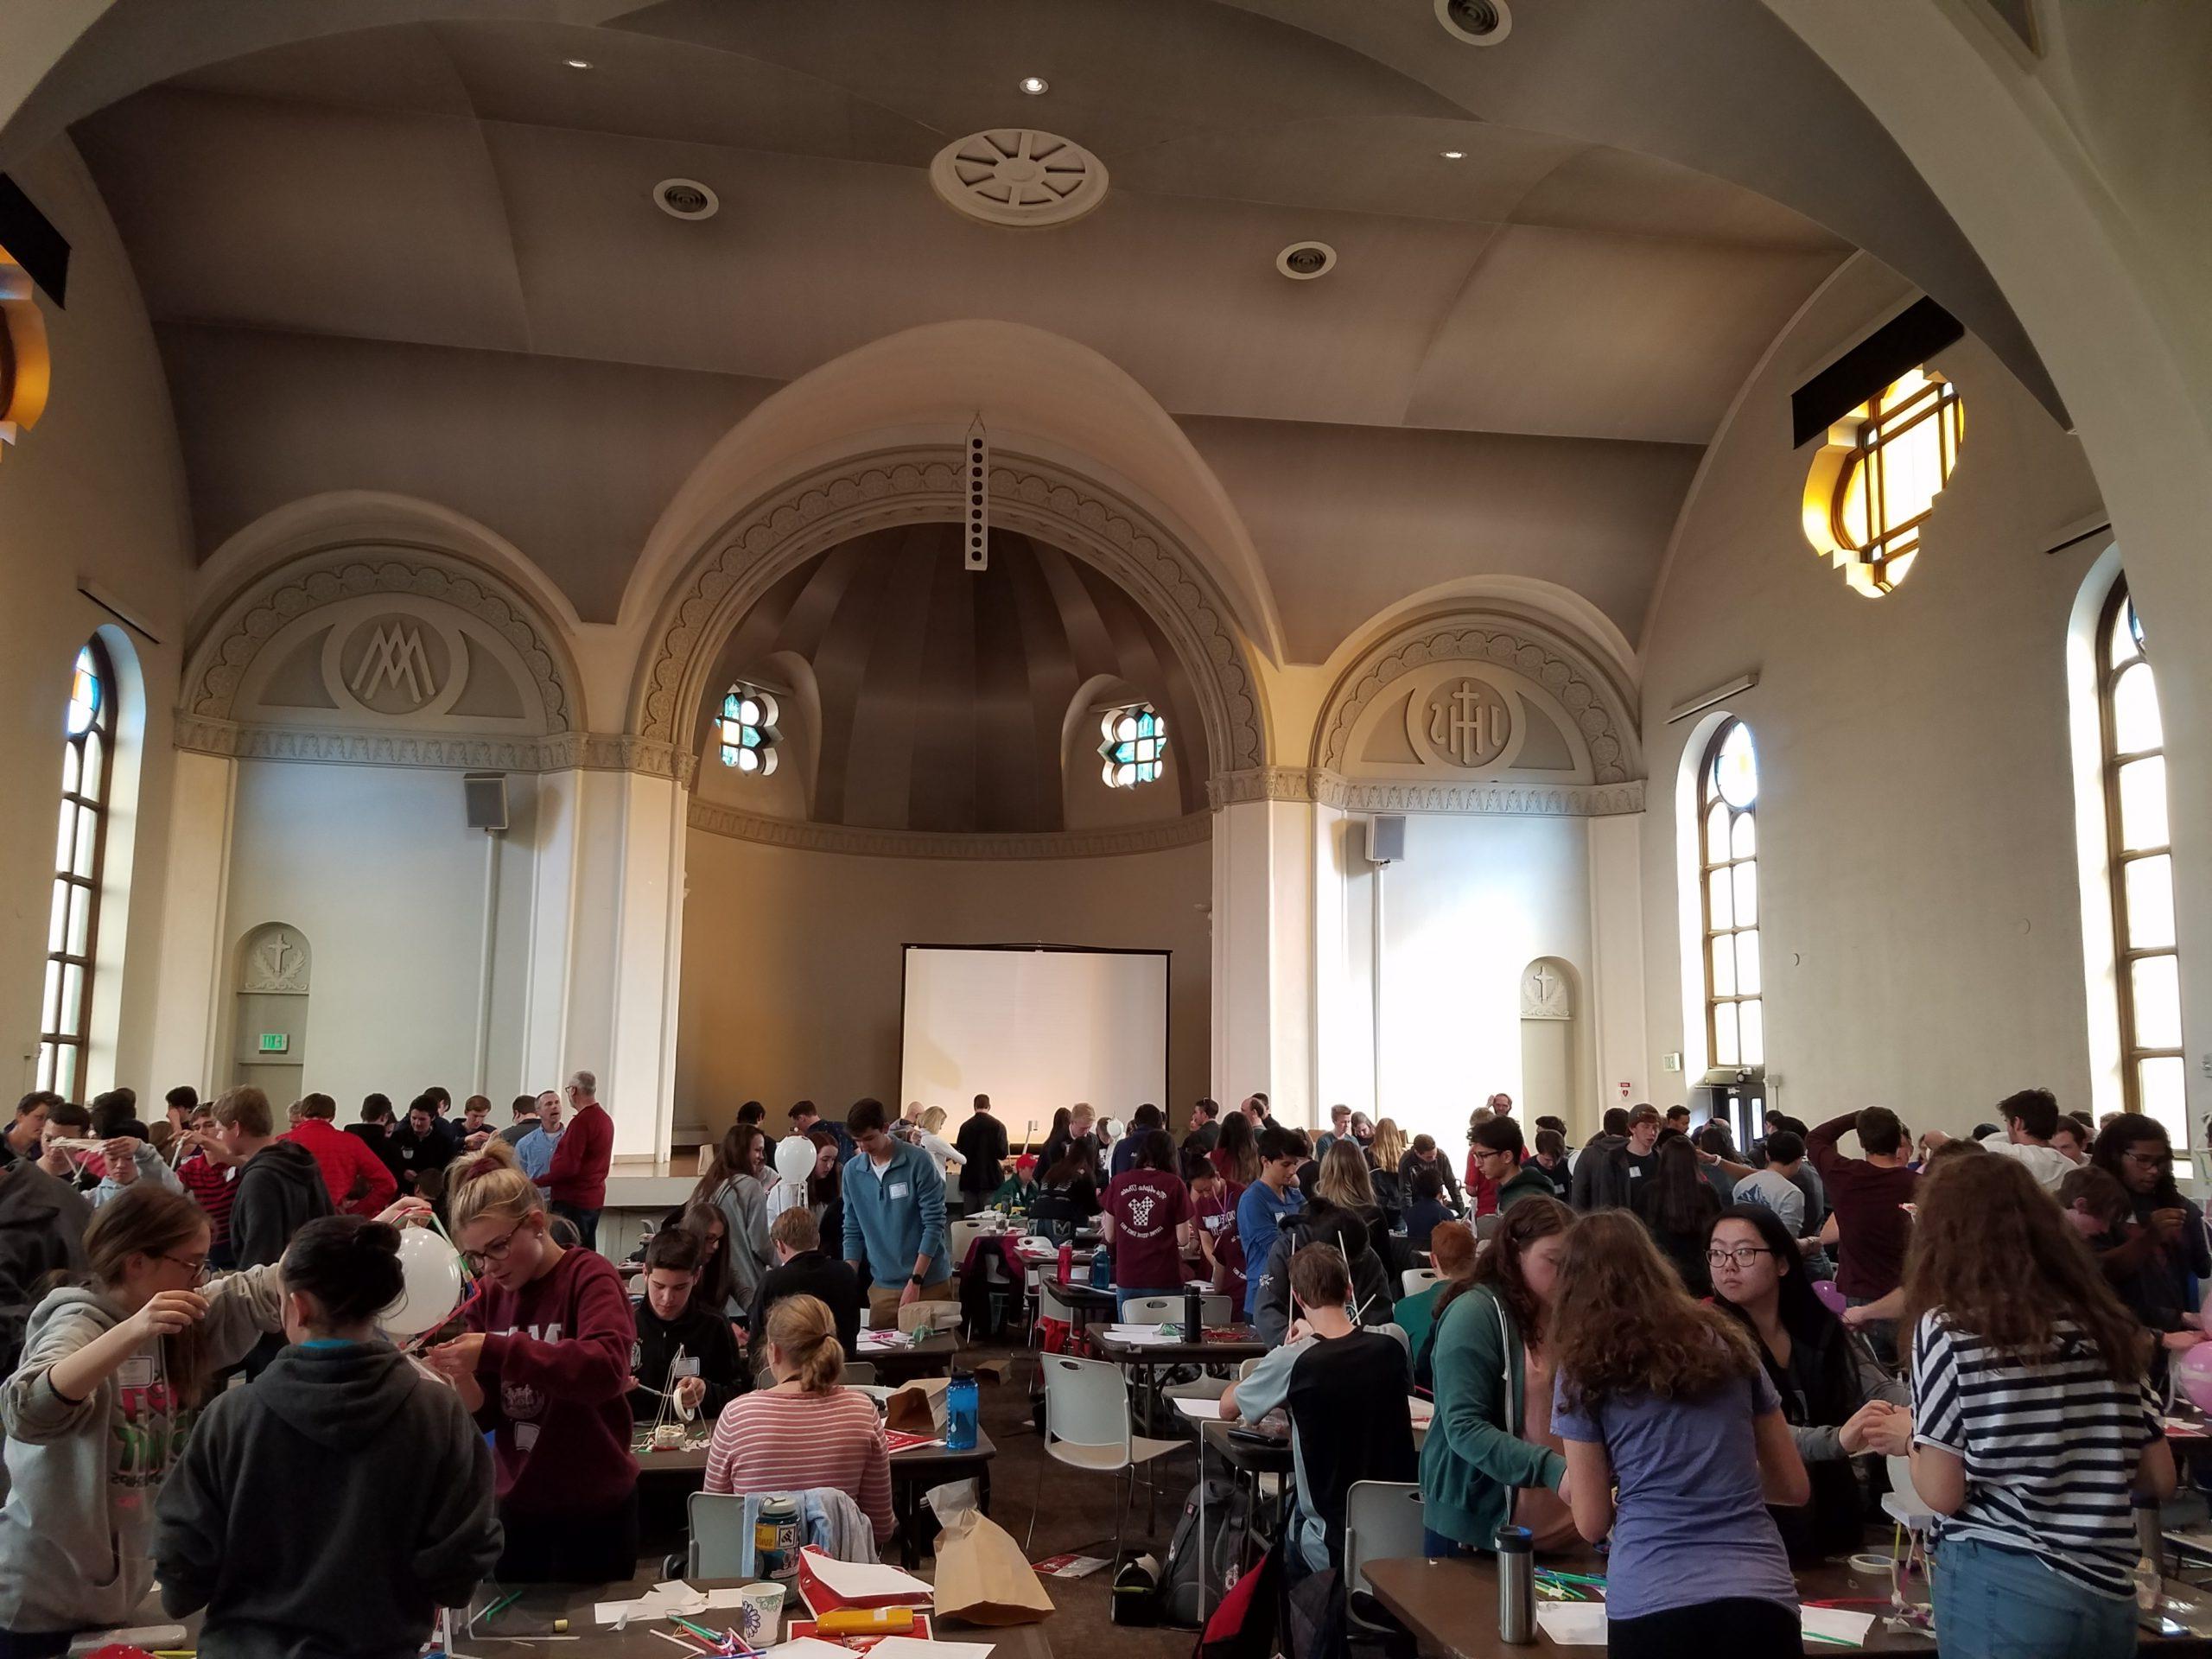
{"x": 424, "y": 258}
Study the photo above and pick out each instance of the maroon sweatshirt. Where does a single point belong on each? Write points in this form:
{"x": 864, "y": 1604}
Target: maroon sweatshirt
{"x": 556, "y": 1376}
{"x": 578, "y": 1175}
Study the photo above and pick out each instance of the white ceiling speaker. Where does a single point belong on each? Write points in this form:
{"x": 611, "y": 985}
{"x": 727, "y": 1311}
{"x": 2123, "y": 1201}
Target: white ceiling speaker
{"x": 1019, "y": 176}
{"x": 686, "y": 198}
{"x": 1475, "y": 23}
{"x": 1303, "y": 261}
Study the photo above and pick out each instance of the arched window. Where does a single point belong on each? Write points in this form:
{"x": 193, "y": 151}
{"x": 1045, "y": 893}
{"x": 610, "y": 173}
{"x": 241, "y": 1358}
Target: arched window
{"x": 80, "y": 845}
{"x": 747, "y": 729}
{"x": 2141, "y": 870}
{"x": 1133, "y": 742}
{"x": 1875, "y": 482}
{"x": 1728, "y": 793}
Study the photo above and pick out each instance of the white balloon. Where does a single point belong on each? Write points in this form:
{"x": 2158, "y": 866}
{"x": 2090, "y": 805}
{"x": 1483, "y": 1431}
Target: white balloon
{"x": 795, "y": 1158}
{"x": 431, "y": 1290}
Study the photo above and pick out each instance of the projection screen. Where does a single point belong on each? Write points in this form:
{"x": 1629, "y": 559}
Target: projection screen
{"x": 1035, "y": 1027}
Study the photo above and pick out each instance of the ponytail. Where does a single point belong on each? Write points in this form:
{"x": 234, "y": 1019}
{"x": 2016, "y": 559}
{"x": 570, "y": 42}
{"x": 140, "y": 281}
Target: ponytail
{"x": 802, "y": 1329}
{"x": 489, "y": 1183}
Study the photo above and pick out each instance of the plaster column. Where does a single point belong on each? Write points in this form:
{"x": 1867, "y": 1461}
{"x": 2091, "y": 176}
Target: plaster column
{"x": 1263, "y": 953}
{"x": 190, "y": 967}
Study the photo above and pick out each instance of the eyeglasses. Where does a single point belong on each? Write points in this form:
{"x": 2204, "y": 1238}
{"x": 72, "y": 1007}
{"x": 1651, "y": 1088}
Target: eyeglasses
{"x": 2150, "y": 1159}
{"x": 1742, "y": 1256}
{"x": 195, "y": 1265}
{"x": 477, "y": 1261}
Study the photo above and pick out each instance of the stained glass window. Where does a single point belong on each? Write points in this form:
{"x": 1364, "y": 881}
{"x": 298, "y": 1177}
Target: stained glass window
{"x": 747, "y": 730}
{"x": 1876, "y": 483}
{"x": 1134, "y": 746}
{"x": 80, "y": 844}
{"x": 2142, "y": 872}
{"x": 1728, "y": 868}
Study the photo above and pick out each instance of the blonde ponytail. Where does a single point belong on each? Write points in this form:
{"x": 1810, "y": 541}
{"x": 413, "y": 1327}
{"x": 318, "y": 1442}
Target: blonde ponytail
{"x": 802, "y": 1329}
{"x": 489, "y": 1183}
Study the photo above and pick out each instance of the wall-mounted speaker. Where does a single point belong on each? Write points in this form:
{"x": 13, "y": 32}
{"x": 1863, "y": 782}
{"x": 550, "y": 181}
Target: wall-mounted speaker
{"x": 1386, "y": 838}
{"x": 485, "y": 794}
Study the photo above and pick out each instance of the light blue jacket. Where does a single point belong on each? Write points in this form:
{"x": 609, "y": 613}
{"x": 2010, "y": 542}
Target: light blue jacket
{"x": 895, "y": 1215}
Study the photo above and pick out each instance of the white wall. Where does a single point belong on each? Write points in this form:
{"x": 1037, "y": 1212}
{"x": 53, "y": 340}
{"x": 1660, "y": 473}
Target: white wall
{"x": 791, "y": 961}
{"x": 377, "y": 867}
{"x": 93, "y": 493}
{"x": 1920, "y": 907}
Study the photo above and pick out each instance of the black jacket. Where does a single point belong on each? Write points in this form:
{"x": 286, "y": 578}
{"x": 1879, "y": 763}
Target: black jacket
{"x": 378, "y": 1140}
{"x": 703, "y": 1335}
{"x": 415, "y": 1154}
{"x": 42, "y": 1231}
{"x": 1374, "y": 1298}
{"x": 982, "y": 1146}
{"x": 329, "y": 1508}
{"x": 280, "y": 1189}
{"x": 1597, "y": 1183}
{"x": 811, "y": 1273}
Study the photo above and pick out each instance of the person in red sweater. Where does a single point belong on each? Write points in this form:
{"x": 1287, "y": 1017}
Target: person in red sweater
{"x": 213, "y": 1183}
{"x": 576, "y": 1182}
{"x": 1868, "y": 1195}
{"x": 544, "y": 1364}
{"x": 359, "y": 1183}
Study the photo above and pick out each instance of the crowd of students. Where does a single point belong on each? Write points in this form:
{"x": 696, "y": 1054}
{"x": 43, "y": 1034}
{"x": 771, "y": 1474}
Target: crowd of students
{"x": 1625, "y": 1343}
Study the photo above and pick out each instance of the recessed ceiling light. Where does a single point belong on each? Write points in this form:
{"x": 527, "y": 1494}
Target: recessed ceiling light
{"x": 579, "y": 63}
{"x": 1453, "y": 155}
{"x": 1034, "y": 85}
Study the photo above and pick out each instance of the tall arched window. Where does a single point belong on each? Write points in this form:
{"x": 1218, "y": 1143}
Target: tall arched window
{"x": 81, "y": 843}
{"x": 1728, "y": 793}
{"x": 2141, "y": 868}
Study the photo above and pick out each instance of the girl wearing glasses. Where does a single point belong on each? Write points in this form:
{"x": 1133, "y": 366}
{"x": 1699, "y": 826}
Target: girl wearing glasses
{"x": 2165, "y": 1247}
{"x": 545, "y": 1365}
{"x": 1666, "y": 1399}
{"x": 113, "y": 1371}
{"x": 1838, "y": 1401}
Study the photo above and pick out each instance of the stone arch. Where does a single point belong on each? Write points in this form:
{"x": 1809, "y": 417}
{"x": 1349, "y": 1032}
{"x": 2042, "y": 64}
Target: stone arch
{"x": 1567, "y": 667}
{"x": 921, "y": 483}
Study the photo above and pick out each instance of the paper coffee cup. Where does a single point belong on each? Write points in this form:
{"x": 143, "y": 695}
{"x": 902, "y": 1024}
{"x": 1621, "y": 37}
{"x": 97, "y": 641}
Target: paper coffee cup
{"x": 760, "y": 1611}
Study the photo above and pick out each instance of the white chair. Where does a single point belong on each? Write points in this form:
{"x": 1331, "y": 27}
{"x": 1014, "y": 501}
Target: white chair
{"x": 962, "y": 1235}
{"x": 1087, "y": 1427}
{"x": 1413, "y": 1281}
{"x": 1168, "y": 1310}
{"x": 717, "y": 1535}
{"x": 1382, "y": 1522}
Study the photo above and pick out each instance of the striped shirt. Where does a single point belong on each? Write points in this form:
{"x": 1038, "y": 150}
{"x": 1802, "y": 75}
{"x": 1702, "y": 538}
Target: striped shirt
{"x": 2051, "y": 1453}
{"x": 216, "y": 1187}
{"x": 775, "y": 1441}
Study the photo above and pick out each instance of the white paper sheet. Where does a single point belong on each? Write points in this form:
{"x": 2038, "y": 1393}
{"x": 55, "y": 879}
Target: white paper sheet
{"x": 673, "y": 1596}
{"x": 808, "y": 1647}
{"x": 865, "y": 1580}
{"x": 151, "y": 1637}
{"x": 911, "y": 1647}
{"x": 1838, "y": 1623}
{"x": 1573, "y": 1623}
{"x": 1198, "y": 1411}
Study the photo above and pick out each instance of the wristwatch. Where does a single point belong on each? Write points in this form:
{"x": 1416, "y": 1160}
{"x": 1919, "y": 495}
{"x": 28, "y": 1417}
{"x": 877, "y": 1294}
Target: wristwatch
{"x": 914, "y": 1279}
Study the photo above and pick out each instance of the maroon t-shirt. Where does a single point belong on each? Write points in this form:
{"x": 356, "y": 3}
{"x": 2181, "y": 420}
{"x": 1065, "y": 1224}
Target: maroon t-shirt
{"x": 1147, "y": 1205}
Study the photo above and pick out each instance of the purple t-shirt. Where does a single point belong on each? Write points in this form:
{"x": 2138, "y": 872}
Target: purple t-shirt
{"x": 1688, "y": 1475}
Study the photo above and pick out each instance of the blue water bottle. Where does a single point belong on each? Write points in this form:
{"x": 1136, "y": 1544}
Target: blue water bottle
{"x": 961, "y": 1409}
{"x": 1101, "y": 1268}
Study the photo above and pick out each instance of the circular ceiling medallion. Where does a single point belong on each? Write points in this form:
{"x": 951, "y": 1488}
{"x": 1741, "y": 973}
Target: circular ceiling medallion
{"x": 1018, "y": 175}
{"x": 686, "y": 198}
{"x": 1303, "y": 261}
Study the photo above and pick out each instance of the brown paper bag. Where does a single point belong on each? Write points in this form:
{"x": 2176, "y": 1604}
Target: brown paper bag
{"x": 919, "y": 1407}
{"x": 982, "y": 1575}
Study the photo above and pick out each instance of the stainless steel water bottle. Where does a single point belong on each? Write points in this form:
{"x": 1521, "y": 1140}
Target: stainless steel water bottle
{"x": 1517, "y": 1586}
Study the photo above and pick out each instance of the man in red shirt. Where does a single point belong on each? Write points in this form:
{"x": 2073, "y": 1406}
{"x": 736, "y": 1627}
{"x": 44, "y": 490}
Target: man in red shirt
{"x": 359, "y": 1183}
{"x": 576, "y": 1184}
{"x": 1868, "y": 1195}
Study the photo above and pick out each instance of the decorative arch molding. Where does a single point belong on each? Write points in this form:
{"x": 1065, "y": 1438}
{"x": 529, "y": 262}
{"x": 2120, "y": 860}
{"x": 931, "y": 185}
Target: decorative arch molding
{"x": 920, "y": 484}
{"x": 1565, "y": 666}
{"x": 329, "y": 575}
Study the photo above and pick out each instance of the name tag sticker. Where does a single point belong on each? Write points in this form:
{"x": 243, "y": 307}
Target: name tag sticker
{"x": 688, "y": 1366}
{"x": 525, "y": 1436}
{"x": 137, "y": 1372}
{"x": 897, "y": 1190}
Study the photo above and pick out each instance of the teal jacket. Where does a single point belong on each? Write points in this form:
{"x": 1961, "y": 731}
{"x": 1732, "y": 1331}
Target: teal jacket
{"x": 1474, "y": 1457}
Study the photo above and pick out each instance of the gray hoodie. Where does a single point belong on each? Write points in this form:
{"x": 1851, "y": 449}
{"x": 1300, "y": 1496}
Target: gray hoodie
{"x": 76, "y": 1536}
{"x": 328, "y": 1509}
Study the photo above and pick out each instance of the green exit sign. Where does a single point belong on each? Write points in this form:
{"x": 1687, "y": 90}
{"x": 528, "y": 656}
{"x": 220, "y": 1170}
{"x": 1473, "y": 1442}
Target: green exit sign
{"x": 275, "y": 1042}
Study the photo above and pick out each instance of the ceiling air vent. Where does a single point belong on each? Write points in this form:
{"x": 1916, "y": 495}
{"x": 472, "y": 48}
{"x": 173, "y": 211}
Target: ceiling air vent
{"x": 1303, "y": 261}
{"x": 686, "y": 198}
{"x": 1018, "y": 175}
{"x": 1475, "y": 23}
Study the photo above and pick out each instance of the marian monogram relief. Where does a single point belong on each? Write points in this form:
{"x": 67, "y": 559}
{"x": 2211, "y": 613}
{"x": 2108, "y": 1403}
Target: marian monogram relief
{"x": 395, "y": 657}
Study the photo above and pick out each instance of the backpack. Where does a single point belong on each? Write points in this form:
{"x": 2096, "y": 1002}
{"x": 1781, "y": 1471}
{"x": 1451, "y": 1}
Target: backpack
{"x": 1228, "y": 1505}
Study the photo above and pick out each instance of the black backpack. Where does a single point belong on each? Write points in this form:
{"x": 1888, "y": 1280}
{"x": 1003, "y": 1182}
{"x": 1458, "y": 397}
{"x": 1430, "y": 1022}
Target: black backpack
{"x": 1228, "y": 1505}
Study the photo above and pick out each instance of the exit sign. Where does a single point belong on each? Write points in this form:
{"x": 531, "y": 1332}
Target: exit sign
{"x": 275, "y": 1042}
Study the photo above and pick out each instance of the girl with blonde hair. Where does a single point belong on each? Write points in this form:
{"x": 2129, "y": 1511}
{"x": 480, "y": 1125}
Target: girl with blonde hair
{"x": 806, "y": 1431}
{"x": 544, "y": 1364}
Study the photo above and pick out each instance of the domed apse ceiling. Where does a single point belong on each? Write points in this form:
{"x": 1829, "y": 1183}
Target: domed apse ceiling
{"x": 945, "y": 692}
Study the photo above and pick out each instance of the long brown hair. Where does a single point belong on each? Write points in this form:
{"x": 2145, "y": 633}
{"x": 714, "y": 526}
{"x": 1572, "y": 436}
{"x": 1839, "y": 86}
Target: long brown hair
{"x": 148, "y": 1220}
{"x": 1343, "y": 1180}
{"x": 1622, "y": 1323}
{"x": 1499, "y": 1267}
{"x": 1238, "y": 1148}
{"x": 1390, "y": 1147}
{"x": 1996, "y": 1257}
{"x": 734, "y": 1157}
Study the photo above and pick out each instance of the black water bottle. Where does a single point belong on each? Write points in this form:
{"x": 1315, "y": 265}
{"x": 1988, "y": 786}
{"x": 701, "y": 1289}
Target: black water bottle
{"x": 1194, "y": 1328}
